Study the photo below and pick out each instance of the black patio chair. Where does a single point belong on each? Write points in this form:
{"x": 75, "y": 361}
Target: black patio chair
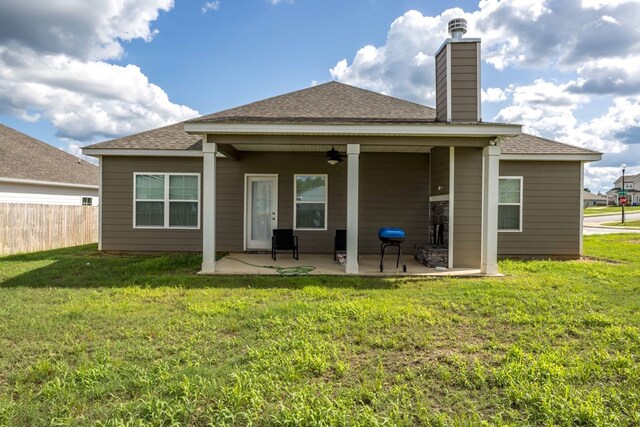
{"x": 339, "y": 243}
{"x": 283, "y": 239}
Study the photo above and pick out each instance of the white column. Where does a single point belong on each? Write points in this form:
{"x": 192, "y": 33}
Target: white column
{"x": 353, "y": 159}
{"x": 491, "y": 160}
{"x": 100, "y": 159}
{"x": 581, "y": 219}
{"x": 208, "y": 206}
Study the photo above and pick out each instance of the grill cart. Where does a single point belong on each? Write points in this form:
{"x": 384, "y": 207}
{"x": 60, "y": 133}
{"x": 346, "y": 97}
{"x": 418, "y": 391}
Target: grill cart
{"x": 391, "y": 236}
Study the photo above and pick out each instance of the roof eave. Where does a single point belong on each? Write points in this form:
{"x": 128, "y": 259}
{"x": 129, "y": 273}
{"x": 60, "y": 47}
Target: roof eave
{"x": 550, "y": 157}
{"x": 342, "y": 129}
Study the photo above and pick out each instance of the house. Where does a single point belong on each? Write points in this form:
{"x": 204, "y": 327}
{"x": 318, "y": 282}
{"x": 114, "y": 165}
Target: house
{"x": 591, "y": 199}
{"x": 34, "y": 172}
{"x": 223, "y": 181}
{"x": 631, "y": 186}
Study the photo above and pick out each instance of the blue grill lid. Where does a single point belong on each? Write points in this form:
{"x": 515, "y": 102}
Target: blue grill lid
{"x": 391, "y": 233}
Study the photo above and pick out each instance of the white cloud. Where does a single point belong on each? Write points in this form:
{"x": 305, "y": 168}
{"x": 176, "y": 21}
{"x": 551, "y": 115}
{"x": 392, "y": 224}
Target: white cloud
{"x": 84, "y": 99}
{"x": 610, "y": 19}
{"x": 83, "y": 29}
{"x": 599, "y": 4}
{"x": 56, "y": 71}
{"x": 281, "y": 1}
{"x": 493, "y": 94}
{"x": 211, "y": 5}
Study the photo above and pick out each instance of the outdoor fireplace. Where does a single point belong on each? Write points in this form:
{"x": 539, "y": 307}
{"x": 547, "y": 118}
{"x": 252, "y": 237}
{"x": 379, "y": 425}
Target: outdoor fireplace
{"x": 435, "y": 253}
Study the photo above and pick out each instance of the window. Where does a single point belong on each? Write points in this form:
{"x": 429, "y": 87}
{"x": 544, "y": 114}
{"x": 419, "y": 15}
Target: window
{"x": 311, "y": 202}
{"x": 510, "y": 203}
{"x": 87, "y": 201}
{"x": 166, "y": 200}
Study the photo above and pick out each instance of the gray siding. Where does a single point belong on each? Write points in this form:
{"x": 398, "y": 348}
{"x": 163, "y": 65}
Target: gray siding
{"x": 118, "y": 233}
{"x": 394, "y": 191}
{"x": 464, "y": 81}
{"x": 551, "y": 210}
{"x": 439, "y": 171}
{"x": 467, "y": 222}
{"x": 441, "y": 85}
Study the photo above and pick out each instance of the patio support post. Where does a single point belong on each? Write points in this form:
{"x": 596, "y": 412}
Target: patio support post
{"x": 208, "y": 206}
{"x": 353, "y": 159}
{"x": 491, "y": 160}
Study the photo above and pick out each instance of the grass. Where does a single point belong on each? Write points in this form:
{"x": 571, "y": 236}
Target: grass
{"x": 609, "y": 210}
{"x": 635, "y": 223}
{"x": 90, "y": 339}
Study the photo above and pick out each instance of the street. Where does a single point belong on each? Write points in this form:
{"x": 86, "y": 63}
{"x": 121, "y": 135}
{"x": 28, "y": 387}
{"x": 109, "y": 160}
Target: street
{"x": 590, "y": 224}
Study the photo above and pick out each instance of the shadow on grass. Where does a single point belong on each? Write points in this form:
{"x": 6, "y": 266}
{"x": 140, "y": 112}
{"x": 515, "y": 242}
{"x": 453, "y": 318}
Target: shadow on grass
{"x": 85, "y": 267}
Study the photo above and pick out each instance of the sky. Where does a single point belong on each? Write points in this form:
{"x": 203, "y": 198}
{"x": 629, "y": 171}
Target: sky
{"x": 76, "y": 72}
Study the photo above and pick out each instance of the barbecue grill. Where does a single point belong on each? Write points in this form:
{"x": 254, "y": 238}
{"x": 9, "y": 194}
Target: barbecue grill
{"x": 391, "y": 236}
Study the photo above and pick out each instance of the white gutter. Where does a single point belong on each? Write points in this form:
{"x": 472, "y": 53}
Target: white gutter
{"x": 51, "y": 183}
{"x": 427, "y": 129}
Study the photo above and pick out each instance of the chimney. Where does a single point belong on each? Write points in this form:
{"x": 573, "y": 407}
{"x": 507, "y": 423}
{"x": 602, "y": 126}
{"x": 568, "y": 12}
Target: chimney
{"x": 458, "y": 76}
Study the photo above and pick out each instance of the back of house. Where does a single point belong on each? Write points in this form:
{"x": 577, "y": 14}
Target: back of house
{"x": 336, "y": 157}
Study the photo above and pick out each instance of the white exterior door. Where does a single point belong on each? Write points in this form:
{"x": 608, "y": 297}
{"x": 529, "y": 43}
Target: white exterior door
{"x": 261, "y": 205}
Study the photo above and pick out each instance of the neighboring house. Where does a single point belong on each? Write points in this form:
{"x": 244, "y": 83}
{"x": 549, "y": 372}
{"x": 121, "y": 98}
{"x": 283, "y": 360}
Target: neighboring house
{"x": 631, "y": 186}
{"x": 34, "y": 172}
{"x": 211, "y": 183}
{"x": 591, "y": 199}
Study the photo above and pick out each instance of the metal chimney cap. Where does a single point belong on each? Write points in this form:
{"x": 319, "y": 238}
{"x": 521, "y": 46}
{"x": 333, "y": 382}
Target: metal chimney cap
{"x": 457, "y": 27}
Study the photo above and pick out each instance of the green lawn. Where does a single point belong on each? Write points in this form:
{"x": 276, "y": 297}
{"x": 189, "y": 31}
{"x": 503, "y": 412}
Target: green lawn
{"x": 90, "y": 339}
{"x": 626, "y": 224}
{"x": 609, "y": 210}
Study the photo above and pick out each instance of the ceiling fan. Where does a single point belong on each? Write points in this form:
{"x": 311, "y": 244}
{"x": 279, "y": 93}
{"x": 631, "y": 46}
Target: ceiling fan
{"x": 334, "y": 157}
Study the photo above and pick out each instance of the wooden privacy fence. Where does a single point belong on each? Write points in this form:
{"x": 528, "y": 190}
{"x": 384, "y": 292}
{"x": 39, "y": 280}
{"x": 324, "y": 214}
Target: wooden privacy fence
{"x": 30, "y": 227}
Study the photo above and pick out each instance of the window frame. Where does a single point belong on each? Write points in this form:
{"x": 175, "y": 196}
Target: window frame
{"x": 167, "y": 201}
{"x": 520, "y": 203}
{"x": 296, "y": 202}
{"x": 85, "y": 199}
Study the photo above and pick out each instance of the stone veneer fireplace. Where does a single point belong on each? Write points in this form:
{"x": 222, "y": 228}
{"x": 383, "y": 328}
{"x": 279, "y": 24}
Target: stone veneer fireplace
{"x": 435, "y": 253}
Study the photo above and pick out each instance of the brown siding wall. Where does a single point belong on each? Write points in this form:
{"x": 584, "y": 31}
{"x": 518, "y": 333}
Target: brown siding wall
{"x": 551, "y": 210}
{"x": 394, "y": 191}
{"x": 117, "y": 206}
{"x": 464, "y": 81}
{"x": 439, "y": 170}
{"x": 467, "y": 222}
{"x": 441, "y": 85}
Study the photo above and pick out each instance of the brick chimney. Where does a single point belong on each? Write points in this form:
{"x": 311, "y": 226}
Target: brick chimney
{"x": 458, "y": 76}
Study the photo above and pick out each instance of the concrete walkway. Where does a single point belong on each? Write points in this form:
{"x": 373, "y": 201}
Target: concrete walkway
{"x": 249, "y": 264}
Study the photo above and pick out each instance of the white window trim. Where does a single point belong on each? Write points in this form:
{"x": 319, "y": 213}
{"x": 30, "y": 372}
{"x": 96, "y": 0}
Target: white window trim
{"x": 326, "y": 201}
{"x": 90, "y": 199}
{"x": 166, "y": 201}
{"x": 519, "y": 178}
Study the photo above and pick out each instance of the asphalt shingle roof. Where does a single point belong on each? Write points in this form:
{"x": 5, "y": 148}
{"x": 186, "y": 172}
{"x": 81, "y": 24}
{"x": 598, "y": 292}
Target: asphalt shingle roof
{"x": 326, "y": 103}
{"x": 24, "y": 157}
{"x": 172, "y": 137}
{"x": 531, "y": 144}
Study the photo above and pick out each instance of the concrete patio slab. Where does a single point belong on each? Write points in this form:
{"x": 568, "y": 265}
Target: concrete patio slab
{"x": 323, "y": 264}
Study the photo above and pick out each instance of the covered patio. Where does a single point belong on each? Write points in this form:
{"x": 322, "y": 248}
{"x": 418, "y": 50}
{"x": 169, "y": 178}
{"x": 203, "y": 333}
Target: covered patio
{"x": 323, "y": 264}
